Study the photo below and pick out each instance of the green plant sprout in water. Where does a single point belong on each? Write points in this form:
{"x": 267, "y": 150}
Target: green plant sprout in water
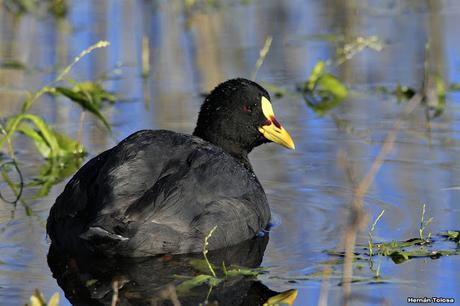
{"x": 205, "y": 250}
{"x": 431, "y": 246}
{"x": 210, "y": 277}
{"x": 58, "y": 149}
{"x": 424, "y": 224}
{"x": 206, "y": 266}
{"x": 400, "y": 251}
{"x": 371, "y": 235}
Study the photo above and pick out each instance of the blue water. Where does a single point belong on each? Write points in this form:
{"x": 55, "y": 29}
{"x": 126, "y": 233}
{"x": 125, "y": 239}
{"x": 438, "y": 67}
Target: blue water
{"x": 191, "y": 51}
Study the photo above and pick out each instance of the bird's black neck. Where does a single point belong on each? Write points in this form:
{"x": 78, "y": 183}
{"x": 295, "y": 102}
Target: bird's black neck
{"x": 231, "y": 147}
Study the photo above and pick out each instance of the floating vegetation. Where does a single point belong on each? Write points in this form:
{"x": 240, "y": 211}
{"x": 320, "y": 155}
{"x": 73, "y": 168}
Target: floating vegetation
{"x": 322, "y": 91}
{"x": 210, "y": 275}
{"x": 404, "y": 250}
{"x": 452, "y": 236}
{"x": 399, "y": 251}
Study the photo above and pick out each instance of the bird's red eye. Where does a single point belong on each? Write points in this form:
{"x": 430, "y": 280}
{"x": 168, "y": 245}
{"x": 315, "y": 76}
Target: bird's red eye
{"x": 247, "y": 109}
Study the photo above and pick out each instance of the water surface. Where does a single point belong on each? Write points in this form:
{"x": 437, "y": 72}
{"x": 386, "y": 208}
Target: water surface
{"x": 194, "y": 50}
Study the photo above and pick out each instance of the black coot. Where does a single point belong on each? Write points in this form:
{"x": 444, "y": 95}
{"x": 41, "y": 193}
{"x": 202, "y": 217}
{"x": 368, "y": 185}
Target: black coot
{"x": 160, "y": 192}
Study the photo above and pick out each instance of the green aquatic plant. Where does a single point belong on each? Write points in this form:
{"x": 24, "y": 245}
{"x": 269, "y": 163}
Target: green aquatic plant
{"x": 452, "y": 236}
{"x": 53, "y": 171}
{"x": 262, "y": 55}
{"x": 399, "y": 251}
{"x": 38, "y": 299}
{"x": 49, "y": 142}
{"x": 371, "y": 235}
{"x": 424, "y": 224}
{"x": 60, "y": 151}
{"x": 89, "y": 95}
{"x": 208, "y": 275}
{"x": 205, "y": 250}
{"x": 322, "y": 91}
{"x": 284, "y": 298}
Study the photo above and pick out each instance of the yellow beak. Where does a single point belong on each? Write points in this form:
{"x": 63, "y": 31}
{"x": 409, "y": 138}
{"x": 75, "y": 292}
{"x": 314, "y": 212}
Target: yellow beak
{"x": 273, "y": 130}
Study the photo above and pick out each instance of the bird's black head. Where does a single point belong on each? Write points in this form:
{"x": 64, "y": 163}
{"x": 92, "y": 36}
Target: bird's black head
{"x": 238, "y": 116}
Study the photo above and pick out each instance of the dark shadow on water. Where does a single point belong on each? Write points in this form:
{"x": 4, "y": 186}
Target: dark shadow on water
{"x": 143, "y": 281}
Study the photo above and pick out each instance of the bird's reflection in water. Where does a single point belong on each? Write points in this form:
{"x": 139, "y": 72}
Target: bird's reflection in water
{"x": 152, "y": 281}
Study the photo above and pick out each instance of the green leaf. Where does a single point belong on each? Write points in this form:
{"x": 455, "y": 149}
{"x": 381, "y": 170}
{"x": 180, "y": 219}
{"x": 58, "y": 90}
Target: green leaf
{"x": 399, "y": 257}
{"x": 315, "y": 75}
{"x": 323, "y": 91}
{"x": 244, "y": 272}
{"x": 37, "y": 137}
{"x": 284, "y": 298}
{"x": 89, "y": 96}
{"x": 54, "y": 300}
{"x": 328, "y": 85}
{"x": 47, "y": 137}
{"x": 48, "y": 142}
{"x": 452, "y": 235}
{"x": 37, "y": 299}
{"x": 53, "y": 171}
{"x": 327, "y": 94}
{"x": 201, "y": 265}
{"x": 198, "y": 280}
{"x": 96, "y": 91}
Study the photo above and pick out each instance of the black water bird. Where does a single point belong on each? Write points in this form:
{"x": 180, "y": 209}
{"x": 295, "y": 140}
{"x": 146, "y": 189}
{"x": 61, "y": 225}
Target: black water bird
{"x": 160, "y": 192}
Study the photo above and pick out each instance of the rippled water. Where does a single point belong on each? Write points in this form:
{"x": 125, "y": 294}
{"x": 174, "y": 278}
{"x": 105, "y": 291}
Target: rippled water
{"x": 309, "y": 193}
